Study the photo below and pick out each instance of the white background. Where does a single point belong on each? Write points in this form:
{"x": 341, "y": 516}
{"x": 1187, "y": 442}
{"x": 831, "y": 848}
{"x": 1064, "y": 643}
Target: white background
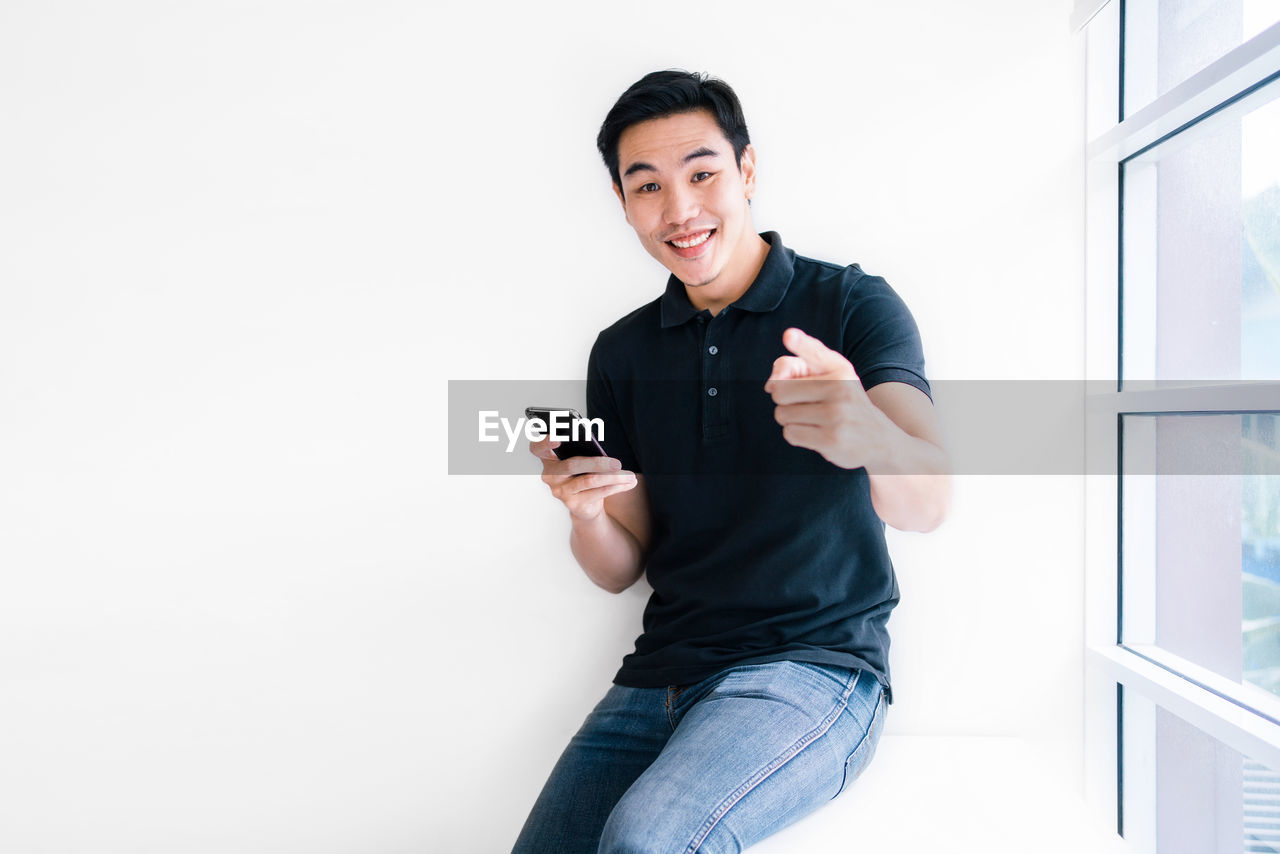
{"x": 243, "y": 248}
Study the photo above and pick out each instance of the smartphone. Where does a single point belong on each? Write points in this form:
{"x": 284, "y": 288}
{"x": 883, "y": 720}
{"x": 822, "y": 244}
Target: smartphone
{"x": 580, "y": 444}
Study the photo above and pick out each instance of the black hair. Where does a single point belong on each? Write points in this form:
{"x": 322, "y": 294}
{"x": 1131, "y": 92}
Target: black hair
{"x": 666, "y": 93}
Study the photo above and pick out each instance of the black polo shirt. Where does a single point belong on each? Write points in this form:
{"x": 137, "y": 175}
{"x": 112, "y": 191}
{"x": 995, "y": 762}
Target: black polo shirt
{"x": 760, "y": 551}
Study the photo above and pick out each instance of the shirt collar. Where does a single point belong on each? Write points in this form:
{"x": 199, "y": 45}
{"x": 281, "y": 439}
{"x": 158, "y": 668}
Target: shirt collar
{"x": 765, "y": 293}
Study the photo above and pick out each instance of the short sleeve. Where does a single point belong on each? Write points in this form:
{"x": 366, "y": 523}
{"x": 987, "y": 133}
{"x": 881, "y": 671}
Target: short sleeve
{"x": 603, "y": 403}
{"x": 881, "y": 338}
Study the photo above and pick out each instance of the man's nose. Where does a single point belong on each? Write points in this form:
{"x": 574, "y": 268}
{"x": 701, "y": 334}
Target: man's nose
{"x": 682, "y": 205}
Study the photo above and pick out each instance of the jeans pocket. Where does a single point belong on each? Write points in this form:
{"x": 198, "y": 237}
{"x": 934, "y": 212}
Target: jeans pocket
{"x": 866, "y": 749}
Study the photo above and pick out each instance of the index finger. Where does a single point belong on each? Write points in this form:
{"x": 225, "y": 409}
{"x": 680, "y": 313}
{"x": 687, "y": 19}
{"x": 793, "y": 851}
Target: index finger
{"x": 818, "y": 356}
{"x": 543, "y": 449}
{"x": 787, "y": 368}
{"x": 583, "y": 465}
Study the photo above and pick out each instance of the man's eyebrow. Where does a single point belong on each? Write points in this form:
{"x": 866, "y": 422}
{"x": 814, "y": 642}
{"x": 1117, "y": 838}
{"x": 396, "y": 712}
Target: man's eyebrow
{"x": 701, "y": 152}
{"x": 641, "y": 166}
{"x": 638, "y": 167}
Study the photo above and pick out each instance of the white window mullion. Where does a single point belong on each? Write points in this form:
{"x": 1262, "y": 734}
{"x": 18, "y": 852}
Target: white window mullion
{"x": 1150, "y": 397}
{"x": 1239, "y": 728}
{"x": 1240, "y": 69}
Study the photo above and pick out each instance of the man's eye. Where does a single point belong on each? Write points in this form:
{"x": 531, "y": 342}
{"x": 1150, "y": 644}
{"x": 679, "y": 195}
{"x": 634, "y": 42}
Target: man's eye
{"x": 701, "y": 176}
{"x": 648, "y": 188}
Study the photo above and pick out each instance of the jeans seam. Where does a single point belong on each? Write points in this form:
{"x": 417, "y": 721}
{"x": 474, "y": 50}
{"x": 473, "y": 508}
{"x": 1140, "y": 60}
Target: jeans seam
{"x": 844, "y": 783}
{"x": 778, "y": 761}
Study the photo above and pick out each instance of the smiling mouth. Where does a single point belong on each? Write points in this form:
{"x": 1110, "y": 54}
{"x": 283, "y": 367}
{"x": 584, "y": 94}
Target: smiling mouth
{"x": 688, "y": 245}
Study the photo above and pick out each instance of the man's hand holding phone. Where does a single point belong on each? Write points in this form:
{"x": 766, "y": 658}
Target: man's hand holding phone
{"x": 609, "y": 543}
{"x": 582, "y": 483}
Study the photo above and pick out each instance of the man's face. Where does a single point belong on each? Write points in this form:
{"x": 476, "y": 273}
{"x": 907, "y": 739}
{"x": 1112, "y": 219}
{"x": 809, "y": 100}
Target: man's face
{"x": 685, "y": 196}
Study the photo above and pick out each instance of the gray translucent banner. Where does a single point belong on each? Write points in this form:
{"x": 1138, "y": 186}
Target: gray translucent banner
{"x": 1003, "y": 427}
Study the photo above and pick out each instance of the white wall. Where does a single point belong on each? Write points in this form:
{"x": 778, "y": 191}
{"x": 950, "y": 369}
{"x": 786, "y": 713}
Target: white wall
{"x": 246, "y": 244}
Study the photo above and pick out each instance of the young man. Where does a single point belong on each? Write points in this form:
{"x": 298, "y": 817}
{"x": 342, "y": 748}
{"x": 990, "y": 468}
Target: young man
{"x": 765, "y": 417}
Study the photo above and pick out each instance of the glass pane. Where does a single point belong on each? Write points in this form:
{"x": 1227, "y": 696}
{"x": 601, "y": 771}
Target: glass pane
{"x": 1201, "y": 545}
{"x": 1260, "y": 282}
{"x": 1167, "y": 41}
{"x": 1186, "y": 791}
{"x": 1201, "y": 248}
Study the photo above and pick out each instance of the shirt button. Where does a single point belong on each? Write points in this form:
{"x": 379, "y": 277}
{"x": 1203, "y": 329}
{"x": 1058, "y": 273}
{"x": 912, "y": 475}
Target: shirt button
{"x": 712, "y": 392}
{"x": 713, "y": 349}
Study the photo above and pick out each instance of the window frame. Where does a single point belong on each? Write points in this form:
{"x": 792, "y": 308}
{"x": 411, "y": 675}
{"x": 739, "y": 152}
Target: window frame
{"x": 1111, "y": 667}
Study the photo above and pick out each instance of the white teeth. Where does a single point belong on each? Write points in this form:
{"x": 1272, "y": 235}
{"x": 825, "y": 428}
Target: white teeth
{"x": 693, "y": 241}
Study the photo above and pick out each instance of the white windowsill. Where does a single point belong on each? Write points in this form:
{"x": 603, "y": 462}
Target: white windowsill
{"x": 956, "y": 794}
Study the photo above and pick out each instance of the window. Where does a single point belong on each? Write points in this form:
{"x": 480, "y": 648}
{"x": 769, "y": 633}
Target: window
{"x": 1183, "y": 541}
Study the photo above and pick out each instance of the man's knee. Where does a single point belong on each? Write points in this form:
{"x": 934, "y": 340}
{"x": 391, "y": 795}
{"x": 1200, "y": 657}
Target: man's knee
{"x": 630, "y": 828}
{"x": 641, "y": 825}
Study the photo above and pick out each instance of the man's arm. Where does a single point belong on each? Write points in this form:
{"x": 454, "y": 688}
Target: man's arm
{"x": 911, "y": 483}
{"x": 611, "y": 548}
{"x": 892, "y": 430}
{"x": 609, "y": 512}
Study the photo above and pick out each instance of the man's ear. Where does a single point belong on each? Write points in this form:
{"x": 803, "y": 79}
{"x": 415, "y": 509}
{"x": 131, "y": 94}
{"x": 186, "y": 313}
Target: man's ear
{"x": 747, "y": 166}
{"x": 617, "y": 191}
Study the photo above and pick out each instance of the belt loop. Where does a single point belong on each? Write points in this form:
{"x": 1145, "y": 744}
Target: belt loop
{"x": 673, "y": 696}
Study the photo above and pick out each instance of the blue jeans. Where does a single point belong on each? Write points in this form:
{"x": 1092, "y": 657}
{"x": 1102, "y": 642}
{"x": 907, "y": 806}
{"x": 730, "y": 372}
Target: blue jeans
{"x": 709, "y": 767}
